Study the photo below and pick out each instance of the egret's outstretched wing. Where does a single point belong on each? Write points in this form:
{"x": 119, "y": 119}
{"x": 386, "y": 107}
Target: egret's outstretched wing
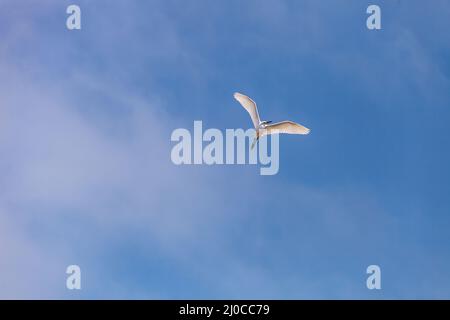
{"x": 250, "y": 106}
{"x": 288, "y": 127}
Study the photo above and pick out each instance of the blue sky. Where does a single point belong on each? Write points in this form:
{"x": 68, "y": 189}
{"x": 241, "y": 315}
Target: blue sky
{"x": 85, "y": 124}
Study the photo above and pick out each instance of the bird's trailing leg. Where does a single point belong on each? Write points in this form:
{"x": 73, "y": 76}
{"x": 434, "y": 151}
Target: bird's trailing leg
{"x": 254, "y": 142}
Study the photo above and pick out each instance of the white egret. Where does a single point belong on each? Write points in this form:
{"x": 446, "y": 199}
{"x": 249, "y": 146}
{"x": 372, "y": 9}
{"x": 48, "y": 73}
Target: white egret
{"x": 267, "y": 127}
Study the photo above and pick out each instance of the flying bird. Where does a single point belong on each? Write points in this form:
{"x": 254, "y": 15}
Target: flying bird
{"x": 267, "y": 127}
